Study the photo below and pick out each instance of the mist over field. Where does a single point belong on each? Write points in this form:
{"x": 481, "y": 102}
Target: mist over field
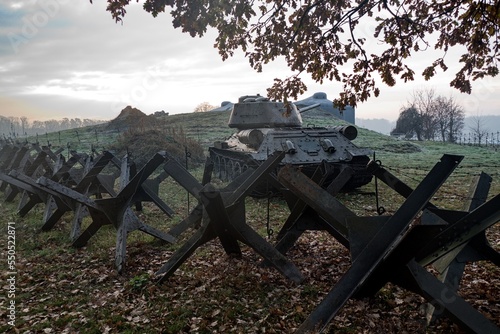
{"x": 385, "y": 126}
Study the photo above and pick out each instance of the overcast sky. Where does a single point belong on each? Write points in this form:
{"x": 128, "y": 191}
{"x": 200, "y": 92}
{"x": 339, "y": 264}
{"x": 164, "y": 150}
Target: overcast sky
{"x": 68, "y": 58}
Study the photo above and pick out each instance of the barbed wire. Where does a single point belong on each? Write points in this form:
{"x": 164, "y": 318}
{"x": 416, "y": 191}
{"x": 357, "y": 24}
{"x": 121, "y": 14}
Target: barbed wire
{"x": 458, "y": 171}
{"x": 443, "y": 191}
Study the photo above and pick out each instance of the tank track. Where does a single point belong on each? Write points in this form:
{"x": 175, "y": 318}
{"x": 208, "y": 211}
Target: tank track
{"x": 228, "y": 165}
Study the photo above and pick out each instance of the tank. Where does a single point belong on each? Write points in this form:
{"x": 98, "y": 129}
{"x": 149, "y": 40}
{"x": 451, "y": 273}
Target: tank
{"x": 263, "y": 126}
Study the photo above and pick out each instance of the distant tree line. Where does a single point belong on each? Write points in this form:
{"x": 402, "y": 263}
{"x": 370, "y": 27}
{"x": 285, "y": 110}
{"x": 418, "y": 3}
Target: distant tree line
{"x": 19, "y": 127}
{"x": 431, "y": 117}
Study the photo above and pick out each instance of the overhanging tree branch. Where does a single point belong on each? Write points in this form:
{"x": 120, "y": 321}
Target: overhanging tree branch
{"x": 311, "y": 37}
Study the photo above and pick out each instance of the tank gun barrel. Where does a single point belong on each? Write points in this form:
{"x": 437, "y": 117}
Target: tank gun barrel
{"x": 349, "y": 131}
{"x": 312, "y": 106}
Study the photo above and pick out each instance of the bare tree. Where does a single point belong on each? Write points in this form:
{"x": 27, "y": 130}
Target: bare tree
{"x": 456, "y": 123}
{"x": 51, "y": 125}
{"x": 64, "y": 124}
{"x": 423, "y": 101}
{"x": 204, "y": 106}
{"x": 14, "y": 125}
{"x": 75, "y": 123}
{"x": 24, "y": 124}
{"x": 5, "y": 126}
{"x": 478, "y": 128}
{"x": 449, "y": 117}
{"x": 427, "y": 114}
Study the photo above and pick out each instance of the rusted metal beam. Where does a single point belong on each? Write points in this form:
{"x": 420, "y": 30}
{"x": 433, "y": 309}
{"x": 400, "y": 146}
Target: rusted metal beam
{"x": 24, "y": 166}
{"x": 461, "y": 232}
{"x": 303, "y": 218}
{"x": 380, "y": 246}
{"x": 116, "y": 210}
{"x": 226, "y": 220}
{"x": 451, "y": 266}
{"x": 55, "y": 208}
{"x": 447, "y": 300}
{"x": 14, "y": 163}
{"x": 328, "y": 207}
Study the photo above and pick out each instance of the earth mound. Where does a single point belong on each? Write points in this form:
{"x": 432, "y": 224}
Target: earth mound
{"x": 402, "y": 147}
{"x": 130, "y": 117}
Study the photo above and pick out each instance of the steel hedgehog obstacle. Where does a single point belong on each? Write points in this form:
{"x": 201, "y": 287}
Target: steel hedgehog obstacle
{"x": 395, "y": 248}
{"x": 264, "y": 127}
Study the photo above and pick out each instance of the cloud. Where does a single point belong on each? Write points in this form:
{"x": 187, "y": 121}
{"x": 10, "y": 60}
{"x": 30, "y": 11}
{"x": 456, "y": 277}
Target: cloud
{"x": 51, "y": 48}
{"x": 61, "y": 58}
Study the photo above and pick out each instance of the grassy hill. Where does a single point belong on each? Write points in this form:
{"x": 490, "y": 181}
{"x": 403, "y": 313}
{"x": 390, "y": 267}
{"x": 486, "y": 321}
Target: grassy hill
{"x": 60, "y": 289}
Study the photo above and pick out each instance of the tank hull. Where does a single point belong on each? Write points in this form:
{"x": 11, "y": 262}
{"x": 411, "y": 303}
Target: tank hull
{"x": 306, "y": 148}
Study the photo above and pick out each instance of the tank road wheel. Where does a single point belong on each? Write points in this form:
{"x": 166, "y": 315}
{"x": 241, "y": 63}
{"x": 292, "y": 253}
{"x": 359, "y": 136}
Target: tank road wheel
{"x": 230, "y": 170}
{"x": 217, "y": 167}
{"x": 237, "y": 169}
{"x": 223, "y": 170}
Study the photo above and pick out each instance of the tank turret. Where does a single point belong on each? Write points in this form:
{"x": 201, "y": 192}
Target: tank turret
{"x": 255, "y": 111}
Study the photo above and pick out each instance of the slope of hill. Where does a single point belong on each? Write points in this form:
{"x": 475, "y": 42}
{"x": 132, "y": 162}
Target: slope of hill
{"x": 211, "y": 126}
{"x": 63, "y": 290}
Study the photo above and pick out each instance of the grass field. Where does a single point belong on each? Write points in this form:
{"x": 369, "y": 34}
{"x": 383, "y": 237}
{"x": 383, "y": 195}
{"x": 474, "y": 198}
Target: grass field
{"x": 60, "y": 289}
